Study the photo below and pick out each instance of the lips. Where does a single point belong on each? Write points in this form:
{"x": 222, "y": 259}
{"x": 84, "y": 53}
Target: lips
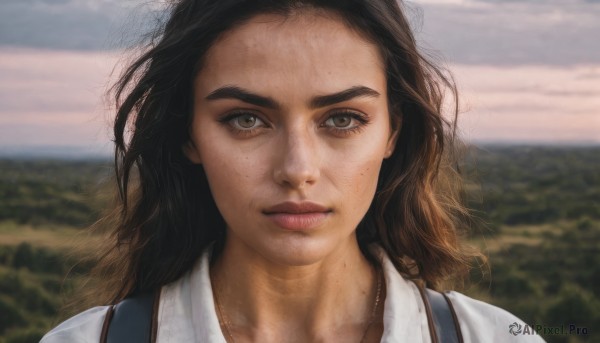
{"x": 297, "y": 216}
{"x": 296, "y": 208}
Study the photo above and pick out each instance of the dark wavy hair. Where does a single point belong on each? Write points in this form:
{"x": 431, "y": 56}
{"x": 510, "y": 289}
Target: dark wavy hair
{"x": 166, "y": 216}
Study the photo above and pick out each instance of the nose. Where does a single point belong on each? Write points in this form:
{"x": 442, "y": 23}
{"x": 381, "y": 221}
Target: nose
{"x": 297, "y": 162}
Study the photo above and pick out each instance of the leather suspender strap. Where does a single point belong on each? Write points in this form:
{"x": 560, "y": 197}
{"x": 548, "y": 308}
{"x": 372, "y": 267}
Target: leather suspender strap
{"x": 106, "y": 324}
{"x": 154, "y": 322}
{"x": 454, "y": 318}
{"x": 441, "y": 317}
{"x": 133, "y": 320}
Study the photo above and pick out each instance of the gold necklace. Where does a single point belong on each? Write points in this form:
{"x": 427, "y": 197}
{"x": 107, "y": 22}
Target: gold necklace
{"x": 224, "y": 322}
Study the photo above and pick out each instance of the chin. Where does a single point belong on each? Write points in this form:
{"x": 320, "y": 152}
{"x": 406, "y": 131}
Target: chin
{"x": 298, "y": 251}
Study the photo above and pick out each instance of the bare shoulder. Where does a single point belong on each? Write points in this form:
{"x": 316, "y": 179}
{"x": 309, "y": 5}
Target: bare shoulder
{"x": 482, "y": 322}
{"x": 83, "y": 327}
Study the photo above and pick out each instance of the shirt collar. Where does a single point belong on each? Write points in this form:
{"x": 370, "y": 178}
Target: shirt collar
{"x": 405, "y": 318}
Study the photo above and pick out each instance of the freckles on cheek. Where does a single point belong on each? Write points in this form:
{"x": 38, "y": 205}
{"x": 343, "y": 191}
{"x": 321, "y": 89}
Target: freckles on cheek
{"x": 230, "y": 168}
{"x": 360, "y": 180}
{"x": 360, "y": 165}
{"x": 368, "y": 180}
{"x": 226, "y": 167}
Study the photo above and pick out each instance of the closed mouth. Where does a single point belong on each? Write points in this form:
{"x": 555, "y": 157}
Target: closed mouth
{"x": 290, "y": 207}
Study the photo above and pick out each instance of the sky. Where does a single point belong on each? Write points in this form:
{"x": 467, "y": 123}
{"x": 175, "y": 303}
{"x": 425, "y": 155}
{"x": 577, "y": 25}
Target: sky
{"x": 528, "y": 71}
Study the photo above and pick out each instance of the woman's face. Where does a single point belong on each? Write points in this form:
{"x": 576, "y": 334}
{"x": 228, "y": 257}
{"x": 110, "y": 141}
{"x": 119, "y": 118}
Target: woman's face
{"x": 291, "y": 124}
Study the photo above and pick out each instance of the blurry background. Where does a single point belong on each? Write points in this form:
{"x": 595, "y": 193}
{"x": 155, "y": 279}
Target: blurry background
{"x": 529, "y": 76}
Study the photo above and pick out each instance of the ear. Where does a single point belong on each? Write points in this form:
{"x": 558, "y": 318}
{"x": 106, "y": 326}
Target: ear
{"x": 391, "y": 144}
{"x": 191, "y": 152}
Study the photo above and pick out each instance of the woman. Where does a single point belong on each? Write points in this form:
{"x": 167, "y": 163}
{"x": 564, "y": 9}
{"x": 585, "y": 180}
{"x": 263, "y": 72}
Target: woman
{"x": 292, "y": 181}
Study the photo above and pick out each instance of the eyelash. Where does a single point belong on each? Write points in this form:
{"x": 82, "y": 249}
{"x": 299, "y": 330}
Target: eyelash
{"x": 227, "y": 119}
{"x": 362, "y": 120}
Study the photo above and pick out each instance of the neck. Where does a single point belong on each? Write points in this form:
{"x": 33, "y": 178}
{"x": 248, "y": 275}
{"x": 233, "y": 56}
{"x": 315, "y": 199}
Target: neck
{"x": 266, "y": 301}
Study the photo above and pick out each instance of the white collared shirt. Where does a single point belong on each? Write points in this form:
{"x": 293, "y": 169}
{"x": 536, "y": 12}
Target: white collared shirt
{"x": 187, "y": 313}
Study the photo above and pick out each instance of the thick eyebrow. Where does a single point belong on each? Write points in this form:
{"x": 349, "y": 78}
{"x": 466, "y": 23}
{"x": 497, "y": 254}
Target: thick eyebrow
{"x": 233, "y": 92}
{"x": 345, "y": 95}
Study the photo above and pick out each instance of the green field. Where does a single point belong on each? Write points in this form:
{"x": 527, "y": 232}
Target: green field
{"x": 537, "y": 211}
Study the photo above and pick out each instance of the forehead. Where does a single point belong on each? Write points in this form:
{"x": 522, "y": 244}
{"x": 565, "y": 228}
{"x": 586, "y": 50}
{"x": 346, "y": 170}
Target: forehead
{"x": 313, "y": 49}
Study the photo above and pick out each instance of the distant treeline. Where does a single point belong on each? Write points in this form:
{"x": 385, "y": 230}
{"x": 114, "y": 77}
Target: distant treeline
{"x": 40, "y": 192}
{"x": 518, "y": 185}
{"x": 534, "y": 185}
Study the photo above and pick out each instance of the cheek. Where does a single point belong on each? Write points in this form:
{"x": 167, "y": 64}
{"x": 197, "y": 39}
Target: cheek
{"x": 232, "y": 186}
{"x": 232, "y": 173}
{"x": 355, "y": 186}
{"x": 363, "y": 179}
{"x": 356, "y": 173}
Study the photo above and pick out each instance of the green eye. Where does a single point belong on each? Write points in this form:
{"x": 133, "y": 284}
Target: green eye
{"x": 345, "y": 122}
{"x": 341, "y": 121}
{"x": 246, "y": 121}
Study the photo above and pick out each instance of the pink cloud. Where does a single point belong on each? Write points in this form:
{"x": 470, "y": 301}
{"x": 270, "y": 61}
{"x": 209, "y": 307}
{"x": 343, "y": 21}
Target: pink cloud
{"x": 530, "y": 103}
{"x": 56, "y": 98}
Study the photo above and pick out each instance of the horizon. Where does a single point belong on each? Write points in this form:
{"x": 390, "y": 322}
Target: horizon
{"x": 75, "y": 153}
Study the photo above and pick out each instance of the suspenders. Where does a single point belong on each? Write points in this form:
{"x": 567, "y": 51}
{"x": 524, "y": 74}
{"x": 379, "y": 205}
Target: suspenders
{"x": 134, "y": 320}
{"x": 441, "y": 318}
